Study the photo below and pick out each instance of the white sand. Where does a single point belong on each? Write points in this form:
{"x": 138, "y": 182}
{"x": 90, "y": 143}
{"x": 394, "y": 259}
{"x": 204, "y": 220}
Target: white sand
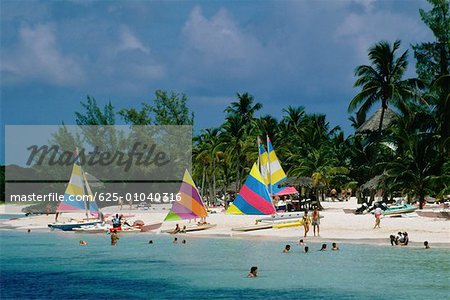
{"x": 335, "y": 226}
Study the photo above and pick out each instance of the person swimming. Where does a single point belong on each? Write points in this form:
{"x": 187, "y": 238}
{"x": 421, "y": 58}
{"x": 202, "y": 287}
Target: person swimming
{"x": 253, "y": 272}
{"x": 306, "y": 249}
{"x": 83, "y": 243}
{"x": 426, "y": 245}
{"x": 150, "y": 242}
{"x": 334, "y": 247}
{"x": 183, "y": 242}
{"x": 301, "y": 243}
{"x": 324, "y": 247}
{"x": 175, "y": 240}
{"x": 287, "y": 249}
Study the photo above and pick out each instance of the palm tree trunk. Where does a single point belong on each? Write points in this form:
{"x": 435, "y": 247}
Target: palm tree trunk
{"x": 214, "y": 180}
{"x": 203, "y": 181}
{"x": 380, "y": 127}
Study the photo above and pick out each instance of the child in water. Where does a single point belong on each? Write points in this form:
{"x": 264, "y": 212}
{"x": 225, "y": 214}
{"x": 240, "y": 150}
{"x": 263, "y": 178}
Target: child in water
{"x": 287, "y": 249}
{"x": 334, "y": 247}
{"x": 324, "y": 247}
{"x": 253, "y": 272}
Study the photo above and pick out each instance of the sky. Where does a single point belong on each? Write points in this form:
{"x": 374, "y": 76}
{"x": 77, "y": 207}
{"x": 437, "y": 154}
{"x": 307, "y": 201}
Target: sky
{"x": 299, "y": 53}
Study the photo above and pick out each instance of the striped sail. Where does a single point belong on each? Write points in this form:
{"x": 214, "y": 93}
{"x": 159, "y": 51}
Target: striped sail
{"x": 190, "y": 205}
{"x": 276, "y": 172}
{"x": 253, "y": 198}
{"x": 263, "y": 162}
{"x": 75, "y": 188}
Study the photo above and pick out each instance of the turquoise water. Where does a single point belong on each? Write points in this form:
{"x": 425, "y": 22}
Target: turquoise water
{"x": 11, "y": 216}
{"x": 52, "y": 265}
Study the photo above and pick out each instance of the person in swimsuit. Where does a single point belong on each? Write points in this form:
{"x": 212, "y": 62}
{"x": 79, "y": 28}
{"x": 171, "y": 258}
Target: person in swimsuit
{"x": 334, "y": 247}
{"x": 306, "y": 222}
{"x": 316, "y": 221}
{"x": 426, "y": 245}
{"x": 301, "y": 243}
{"x": 253, "y": 272}
{"x": 324, "y": 247}
{"x": 287, "y": 249}
{"x": 306, "y": 249}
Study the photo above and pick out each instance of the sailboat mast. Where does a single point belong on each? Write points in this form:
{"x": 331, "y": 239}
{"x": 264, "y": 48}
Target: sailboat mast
{"x": 85, "y": 191}
{"x": 258, "y": 142}
{"x": 270, "y": 171}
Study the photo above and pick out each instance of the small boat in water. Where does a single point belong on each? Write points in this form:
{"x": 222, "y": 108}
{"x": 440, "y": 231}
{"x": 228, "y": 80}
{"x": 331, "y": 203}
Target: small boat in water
{"x": 78, "y": 198}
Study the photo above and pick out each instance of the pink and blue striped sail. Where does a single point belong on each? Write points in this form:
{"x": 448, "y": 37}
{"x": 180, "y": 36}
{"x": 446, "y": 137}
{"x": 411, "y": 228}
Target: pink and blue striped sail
{"x": 253, "y": 198}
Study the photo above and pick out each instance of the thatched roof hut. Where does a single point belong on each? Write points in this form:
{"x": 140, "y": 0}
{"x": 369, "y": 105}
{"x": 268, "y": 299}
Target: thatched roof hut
{"x": 373, "y": 123}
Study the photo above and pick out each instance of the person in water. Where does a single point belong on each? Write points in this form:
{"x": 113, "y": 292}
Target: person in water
{"x": 301, "y": 243}
{"x": 306, "y": 222}
{"x": 287, "y": 249}
{"x": 183, "y": 242}
{"x": 83, "y": 243}
{"x": 394, "y": 240}
{"x": 316, "y": 221}
{"x": 405, "y": 239}
{"x": 176, "y": 230}
{"x": 334, "y": 247}
{"x": 117, "y": 221}
{"x": 150, "y": 242}
{"x": 324, "y": 247}
{"x": 426, "y": 245}
{"x": 114, "y": 238}
{"x": 306, "y": 249}
{"x": 175, "y": 240}
{"x": 253, "y": 272}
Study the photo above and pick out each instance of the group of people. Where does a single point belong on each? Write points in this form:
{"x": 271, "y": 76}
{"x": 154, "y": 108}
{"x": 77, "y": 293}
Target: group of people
{"x": 287, "y": 248}
{"x": 314, "y": 221}
{"x": 401, "y": 239}
{"x": 178, "y": 229}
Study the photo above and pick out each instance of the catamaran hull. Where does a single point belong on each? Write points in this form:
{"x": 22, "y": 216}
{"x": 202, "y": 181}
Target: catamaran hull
{"x": 71, "y": 226}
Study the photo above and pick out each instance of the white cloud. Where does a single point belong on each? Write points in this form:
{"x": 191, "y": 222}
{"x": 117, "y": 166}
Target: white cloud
{"x": 128, "y": 41}
{"x": 219, "y": 38}
{"x": 38, "y": 57}
{"x": 361, "y": 31}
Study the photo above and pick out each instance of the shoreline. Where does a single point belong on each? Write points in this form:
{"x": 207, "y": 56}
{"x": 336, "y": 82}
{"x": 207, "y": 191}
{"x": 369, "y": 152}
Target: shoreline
{"x": 336, "y": 226}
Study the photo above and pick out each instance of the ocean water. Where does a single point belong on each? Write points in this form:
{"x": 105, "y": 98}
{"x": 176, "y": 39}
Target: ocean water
{"x": 51, "y": 265}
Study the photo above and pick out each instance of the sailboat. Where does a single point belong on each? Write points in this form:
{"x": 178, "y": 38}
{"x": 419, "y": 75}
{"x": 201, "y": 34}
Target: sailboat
{"x": 190, "y": 206}
{"x": 78, "y": 198}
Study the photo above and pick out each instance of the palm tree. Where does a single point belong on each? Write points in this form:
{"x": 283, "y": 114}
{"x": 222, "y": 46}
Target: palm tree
{"x": 244, "y": 107}
{"x": 382, "y": 80}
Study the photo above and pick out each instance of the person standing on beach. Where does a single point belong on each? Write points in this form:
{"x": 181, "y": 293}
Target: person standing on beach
{"x": 316, "y": 221}
{"x": 306, "y": 222}
{"x": 377, "y": 218}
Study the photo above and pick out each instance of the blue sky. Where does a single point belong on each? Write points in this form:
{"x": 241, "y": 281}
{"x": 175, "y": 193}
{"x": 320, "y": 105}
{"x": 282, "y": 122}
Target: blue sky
{"x": 54, "y": 54}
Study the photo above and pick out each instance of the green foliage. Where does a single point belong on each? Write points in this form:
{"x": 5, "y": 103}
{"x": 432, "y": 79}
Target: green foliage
{"x": 167, "y": 109}
{"x": 433, "y": 57}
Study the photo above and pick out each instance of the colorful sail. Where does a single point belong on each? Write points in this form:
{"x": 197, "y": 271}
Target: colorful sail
{"x": 276, "y": 172}
{"x": 263, "y": 162}
{"x": 253, "y": 198}
{"x": 73, "y": 196}
{"x": 93, "y": 208}
{"x": 190, "y": 205}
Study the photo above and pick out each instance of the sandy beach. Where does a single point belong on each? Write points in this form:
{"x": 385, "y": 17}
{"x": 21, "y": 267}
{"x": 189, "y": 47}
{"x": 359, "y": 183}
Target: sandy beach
{"x": 335, "y": 225}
